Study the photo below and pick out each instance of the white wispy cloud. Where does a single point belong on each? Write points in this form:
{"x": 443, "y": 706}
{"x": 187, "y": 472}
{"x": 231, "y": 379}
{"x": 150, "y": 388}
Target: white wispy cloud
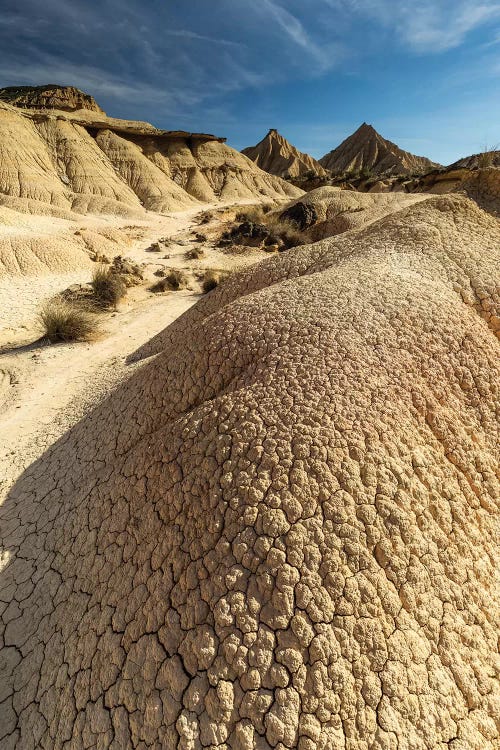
{"x": 425, "y": 25}
{"x": 186, "y": 34}
{"x": 324, "y": 56}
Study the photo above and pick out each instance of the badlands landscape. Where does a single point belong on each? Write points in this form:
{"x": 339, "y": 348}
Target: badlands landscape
{"x": 255, "y": 505}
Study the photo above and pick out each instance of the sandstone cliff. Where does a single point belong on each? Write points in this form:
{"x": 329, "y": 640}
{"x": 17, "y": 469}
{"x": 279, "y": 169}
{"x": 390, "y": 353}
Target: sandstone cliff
{"x": 274, "y": 154}
{"x": 367, "y": 150}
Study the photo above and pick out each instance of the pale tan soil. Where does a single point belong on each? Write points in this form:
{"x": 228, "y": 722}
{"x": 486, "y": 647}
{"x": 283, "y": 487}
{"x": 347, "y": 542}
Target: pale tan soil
{"x": 281, "y": 532}
{"x": 45, "y": 389}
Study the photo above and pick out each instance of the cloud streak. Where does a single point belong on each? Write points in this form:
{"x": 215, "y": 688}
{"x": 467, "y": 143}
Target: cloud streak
{"x": 427, "y": 26}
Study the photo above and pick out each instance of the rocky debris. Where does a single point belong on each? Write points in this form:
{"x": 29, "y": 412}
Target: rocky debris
{"x": 282, "y": 531}
{"x": 366, "y": 150}
{"x": 130, "y": 271}
{"x": 155, "y": 247}
{"x": 65, "y": 98}
{"x": 274, "y": 154}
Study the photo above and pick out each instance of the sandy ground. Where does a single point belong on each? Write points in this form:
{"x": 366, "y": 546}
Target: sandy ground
{"x": 45, "y": 389}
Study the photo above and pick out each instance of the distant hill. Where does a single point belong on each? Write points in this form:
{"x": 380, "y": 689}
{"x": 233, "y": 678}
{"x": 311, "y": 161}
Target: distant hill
{"x": 475, "y": 161}
{"x": 50, "y": 96}
{"x": 368, "y": 150}
{"x": 276, "y": 155}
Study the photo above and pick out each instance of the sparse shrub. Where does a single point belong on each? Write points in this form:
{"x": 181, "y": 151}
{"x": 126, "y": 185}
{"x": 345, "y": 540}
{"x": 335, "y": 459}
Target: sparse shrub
{"x": 210, "y": 281}
{"x": 173, "y": 281}
{"x": 64, "y": 321}
{"x": 108, "y": 286}
{"x": 195, "y": 253}
{"x": 286, "y": 231}
{"x": 254, "y": 214}
{"x": 485, "y": 160}
{"x": 160, "y": 272}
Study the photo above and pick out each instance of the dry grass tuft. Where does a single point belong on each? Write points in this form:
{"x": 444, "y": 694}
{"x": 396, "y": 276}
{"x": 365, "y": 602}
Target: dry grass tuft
{"x": 287, "y": 231}
{"x": 63, "y": 321}
{"x": 195, "y": 253}
{"x": 210, "y": 280}
{"x": 108, "y": 286}
{"x": 173, "y": 281}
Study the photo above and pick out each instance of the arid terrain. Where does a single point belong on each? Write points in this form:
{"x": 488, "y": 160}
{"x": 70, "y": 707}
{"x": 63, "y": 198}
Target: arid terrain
{"x": 258, "y": 508}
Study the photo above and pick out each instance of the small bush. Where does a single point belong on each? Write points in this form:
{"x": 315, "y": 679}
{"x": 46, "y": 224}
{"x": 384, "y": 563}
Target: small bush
{"x": 255, "y": 214}
{"x": 63, "y": 321}
{"x": 108, "y": 287}
{"x": 173, "y": 281}
{"x": 485, "y": 160}
{"x": 195, "y": 253}
{"x": 286, "y": 231}
{"x": 210, "y": 281}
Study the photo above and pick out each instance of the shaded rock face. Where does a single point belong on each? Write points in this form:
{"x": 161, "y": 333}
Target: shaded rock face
{"x": 274, "y": 154}
{"x": 281, "y": 532}
{"x": 367, "y": 150}
{"x": 302, "y": 214}
{"x": 65, "y": 98}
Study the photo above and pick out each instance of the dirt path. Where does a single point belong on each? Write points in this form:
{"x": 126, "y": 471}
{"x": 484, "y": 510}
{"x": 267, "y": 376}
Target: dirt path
{"x": 45, "y": 389}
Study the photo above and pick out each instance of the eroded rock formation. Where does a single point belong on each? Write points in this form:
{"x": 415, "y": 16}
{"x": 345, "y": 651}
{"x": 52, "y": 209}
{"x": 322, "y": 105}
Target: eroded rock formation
{"x": 282, "y": 531}
{"x": 276, "y": 155}
{"x": 366, "y": 150}
{"x": 80, "y": 160}
{"x": 51, "y": 96}
{"x": 328, "y": 211}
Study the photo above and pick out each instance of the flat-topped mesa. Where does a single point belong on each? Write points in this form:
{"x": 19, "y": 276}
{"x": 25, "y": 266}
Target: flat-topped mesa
{"x": 50, "y": 96}
{"x": 367, "y": 150}
{"x": 279, "y": 157}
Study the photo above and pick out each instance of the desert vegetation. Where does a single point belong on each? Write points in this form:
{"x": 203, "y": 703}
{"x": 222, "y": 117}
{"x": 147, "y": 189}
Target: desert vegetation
{"x": 108, "y": 286}
{"x": 260, "y": 226}
{"x": 63, "y": 321}
{"x": 174, "y": 280}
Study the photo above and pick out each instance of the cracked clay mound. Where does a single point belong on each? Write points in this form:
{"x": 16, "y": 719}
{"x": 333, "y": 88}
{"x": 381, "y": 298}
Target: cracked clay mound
{"x": 328, "y": 211}
{"x": 280, "y": 532}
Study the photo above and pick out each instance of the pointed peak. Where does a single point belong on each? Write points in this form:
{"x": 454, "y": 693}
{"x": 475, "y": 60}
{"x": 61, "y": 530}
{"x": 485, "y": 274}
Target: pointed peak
{"x": 366, "y": 128}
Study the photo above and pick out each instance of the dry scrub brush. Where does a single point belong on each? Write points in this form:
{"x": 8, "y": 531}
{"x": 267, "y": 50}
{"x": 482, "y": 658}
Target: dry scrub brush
{"x": 173, "y": 281}
{"x": 257, "y": 214}
{"x": 108, "y": 286}
{"x": 64, "y": 321}
{"x": 287, "y": 231}
{"x": 195, "y": 253}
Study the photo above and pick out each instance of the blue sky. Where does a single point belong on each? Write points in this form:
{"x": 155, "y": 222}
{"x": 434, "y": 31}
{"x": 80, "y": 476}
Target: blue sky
{"x": 425, "y": 73}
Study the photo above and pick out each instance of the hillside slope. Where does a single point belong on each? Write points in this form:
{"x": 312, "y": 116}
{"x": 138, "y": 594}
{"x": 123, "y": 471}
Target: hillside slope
{"x": 276, "y": 155}
{"x": 367, "y": 150}
{"x": 79, "y": 160}
{"x": 282, "y": 531}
